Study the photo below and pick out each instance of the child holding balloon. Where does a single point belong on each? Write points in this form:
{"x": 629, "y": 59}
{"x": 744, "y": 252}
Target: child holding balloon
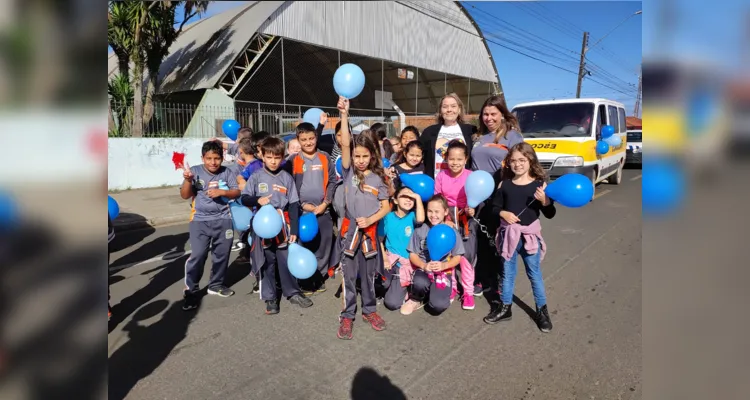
{"x": 396, "y": 230}
{"x": 366, "y": 195}
{"x": 433, "y": 262}
{"x": 409, "y": 163}
{"x": 315, "y": 179}
{"x": 519, "y": 201}
{"x": 272, "y": 185}
{"x": 210, "y": 223}
{"x": 451, "y": 183}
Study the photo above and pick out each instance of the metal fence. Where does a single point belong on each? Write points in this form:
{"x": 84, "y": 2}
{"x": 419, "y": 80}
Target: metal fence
{"x": 173, "y": 120}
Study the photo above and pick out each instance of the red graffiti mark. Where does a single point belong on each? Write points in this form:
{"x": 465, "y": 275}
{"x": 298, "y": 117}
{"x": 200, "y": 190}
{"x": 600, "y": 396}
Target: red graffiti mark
{"x": 97, "y": 142}
{"x": 179, "y": 160}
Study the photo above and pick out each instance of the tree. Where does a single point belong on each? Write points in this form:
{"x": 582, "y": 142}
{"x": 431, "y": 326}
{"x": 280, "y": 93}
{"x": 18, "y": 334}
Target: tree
{"x": 140, "y": 34}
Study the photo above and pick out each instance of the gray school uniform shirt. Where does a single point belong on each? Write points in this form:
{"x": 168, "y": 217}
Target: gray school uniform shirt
{"x": 418, "y": 243}
{"x": 204, "y": 207}
{"x": 488, "y": 156}
{"x": 311, "y": 190}
{"x": 363, "y": 203}
{"x": 281, "y": 186}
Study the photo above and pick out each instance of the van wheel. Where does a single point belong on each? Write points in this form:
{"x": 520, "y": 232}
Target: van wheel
{"x": 616, "y": 179}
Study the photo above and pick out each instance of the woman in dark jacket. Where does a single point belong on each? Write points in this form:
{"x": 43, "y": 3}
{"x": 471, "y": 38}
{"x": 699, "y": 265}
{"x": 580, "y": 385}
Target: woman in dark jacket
{"x": 450, "y": 126}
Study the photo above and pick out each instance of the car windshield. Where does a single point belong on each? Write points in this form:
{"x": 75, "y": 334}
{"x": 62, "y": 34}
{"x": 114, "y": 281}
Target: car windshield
{"x": 555, "y": 120}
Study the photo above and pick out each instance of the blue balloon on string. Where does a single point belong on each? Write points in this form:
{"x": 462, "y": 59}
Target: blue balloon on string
{"x": 339, "y": 168}
{"x": 348, "y": 81}
{"x": 230, "y": 128}
{"x": 301, "y": 262}
{"x": 602, "y": 147}
{"x": 479, "y": 187}
{"x": 571, "y": 190}
{"x": 112, "y": 207}
{"x": 8, "y": 210}
{"x": 663, "y": 187}
{"x": 386, "y": 163}
{"x": 607, "y": 131}
{"x": 308, "y": 227}
{"x": 440, "y": 241}
{"x": 421, "y": 184}
{"x": 312, "y": 116}
{"x": 241, "y": 216}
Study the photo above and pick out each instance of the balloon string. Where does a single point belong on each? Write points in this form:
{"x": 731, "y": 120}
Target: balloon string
{"x": 527, "y": 206}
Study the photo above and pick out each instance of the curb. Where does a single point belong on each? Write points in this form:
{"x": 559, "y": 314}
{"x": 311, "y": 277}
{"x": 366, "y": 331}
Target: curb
{"x": 156, "y": 222}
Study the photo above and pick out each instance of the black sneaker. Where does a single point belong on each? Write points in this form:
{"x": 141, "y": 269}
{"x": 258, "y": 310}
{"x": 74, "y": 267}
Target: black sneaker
{"x": 189, "y": 302}
{"x": 221, "y": 291}
{"x": 542, "y": 319}
{"x": 478, "y": 290}
{"x": 321, "y": 288}
{"x": 272, "y": 307}
{"x": 301, "y": 300}
{"x": 256, "y": 286}
{"x": 499, "y": 314}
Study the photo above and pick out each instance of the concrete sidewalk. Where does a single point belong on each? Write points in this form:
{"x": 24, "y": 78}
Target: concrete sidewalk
{"x": 143, "y": 208}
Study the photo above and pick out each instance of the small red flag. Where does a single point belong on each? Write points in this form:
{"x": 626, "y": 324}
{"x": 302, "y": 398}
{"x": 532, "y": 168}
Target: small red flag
{"x": 179, "y": 160}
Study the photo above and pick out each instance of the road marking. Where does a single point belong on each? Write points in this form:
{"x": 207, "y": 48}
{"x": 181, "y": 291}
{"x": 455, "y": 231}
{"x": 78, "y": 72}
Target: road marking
{"x": 602, "y": 193}
{"x": 635, "y": 178}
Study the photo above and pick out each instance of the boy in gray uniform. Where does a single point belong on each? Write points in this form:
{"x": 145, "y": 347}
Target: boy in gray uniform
{"x": 432, "y": 278}
{"x": 210, "y": 222}
{"x": 315, "y": 180}
{"x": 272, "y": 185}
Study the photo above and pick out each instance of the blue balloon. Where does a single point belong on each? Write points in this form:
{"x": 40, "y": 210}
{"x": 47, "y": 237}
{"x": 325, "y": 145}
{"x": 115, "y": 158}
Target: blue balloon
{"x": 613, "y": 141}
{"x": 421, "y": 184}
{"x": 308, "y": 227}
{"x": 267, "y": 222}
{"x": 241, "y": 216}
{"x": 663, "y": 187}
{"x": 607, "y": 131}
{"x": 348, "y": 81}
{"x": 312, "y": 116}
{"x": 571, "y": 190}
{"x": 386, "y": 162}
{"x": 301, "y": 262}
{"x": 479, "y": 187}
{"x": 8, "y": 210}
{"x": 230, "y": 128}
{"x": 112, "y": 207}
{"x": 602, "y": 147}
{"x": 339, "y": 168}
{"x": 440, "y": 241}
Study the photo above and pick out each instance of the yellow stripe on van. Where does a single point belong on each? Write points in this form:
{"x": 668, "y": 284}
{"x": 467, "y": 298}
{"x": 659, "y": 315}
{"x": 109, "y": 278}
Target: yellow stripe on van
{"x": 665, "y": 128}
{"x": 586, "y": 149}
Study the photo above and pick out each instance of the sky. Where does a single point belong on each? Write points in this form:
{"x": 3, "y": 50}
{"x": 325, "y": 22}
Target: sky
{"x": 553, "y": 32}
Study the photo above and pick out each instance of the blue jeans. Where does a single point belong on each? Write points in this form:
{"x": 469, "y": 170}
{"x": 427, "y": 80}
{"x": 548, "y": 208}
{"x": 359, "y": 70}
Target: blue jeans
{"x": 533, "y": 271}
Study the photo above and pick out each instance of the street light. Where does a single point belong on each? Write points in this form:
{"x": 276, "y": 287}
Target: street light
{"x": 639, "y": 12}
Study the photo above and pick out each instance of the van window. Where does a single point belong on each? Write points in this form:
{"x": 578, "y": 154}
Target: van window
{"x": 613, "y": 117}
{"x": 601, "y": 121}
{"x": 623, "y": 125}
{"x": 555, "y": 120}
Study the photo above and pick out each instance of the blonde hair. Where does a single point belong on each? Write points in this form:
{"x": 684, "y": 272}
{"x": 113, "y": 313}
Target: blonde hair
{"x": 461, "y": 110}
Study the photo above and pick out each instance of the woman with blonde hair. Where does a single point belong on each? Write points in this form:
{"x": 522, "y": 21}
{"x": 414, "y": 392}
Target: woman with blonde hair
{"x": 450, "y": 126}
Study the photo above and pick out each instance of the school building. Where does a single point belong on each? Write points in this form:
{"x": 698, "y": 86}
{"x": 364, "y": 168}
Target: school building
{"x": 265, "y": 63}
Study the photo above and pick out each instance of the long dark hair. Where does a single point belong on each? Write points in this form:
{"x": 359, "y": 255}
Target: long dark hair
{"x": 535, "y": 169}
{"x": 413, "y": 143}
{"x": 373, "y": 136}
{"x": 364, "y": 139}
{"x": 510, "y": 122}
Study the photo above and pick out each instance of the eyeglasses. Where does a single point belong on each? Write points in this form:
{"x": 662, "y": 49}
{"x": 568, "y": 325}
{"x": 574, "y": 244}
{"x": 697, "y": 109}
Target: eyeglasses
{"x": 519, "y": 161}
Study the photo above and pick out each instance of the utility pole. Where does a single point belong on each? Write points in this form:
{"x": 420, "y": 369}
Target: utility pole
{"x": 637, "y": 110}
{"x": 581, "y": 67}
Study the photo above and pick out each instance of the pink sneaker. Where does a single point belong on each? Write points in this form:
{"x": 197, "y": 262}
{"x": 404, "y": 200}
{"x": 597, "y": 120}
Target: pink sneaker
{"x": 468, "y": 302}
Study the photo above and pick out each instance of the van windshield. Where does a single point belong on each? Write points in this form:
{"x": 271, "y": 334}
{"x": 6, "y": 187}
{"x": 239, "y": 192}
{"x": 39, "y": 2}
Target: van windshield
{"x": 556, "y": 120}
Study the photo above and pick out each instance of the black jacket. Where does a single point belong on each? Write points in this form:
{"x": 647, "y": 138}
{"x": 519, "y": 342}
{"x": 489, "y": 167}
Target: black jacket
{"x": 428, "y": 138}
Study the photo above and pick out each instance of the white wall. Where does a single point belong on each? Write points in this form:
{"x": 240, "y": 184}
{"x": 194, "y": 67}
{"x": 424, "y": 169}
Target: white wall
{"x": 147, "y": 162}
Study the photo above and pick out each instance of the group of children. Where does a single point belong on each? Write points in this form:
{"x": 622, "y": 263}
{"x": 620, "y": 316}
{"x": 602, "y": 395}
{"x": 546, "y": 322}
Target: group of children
{"x": 380, "y": 247}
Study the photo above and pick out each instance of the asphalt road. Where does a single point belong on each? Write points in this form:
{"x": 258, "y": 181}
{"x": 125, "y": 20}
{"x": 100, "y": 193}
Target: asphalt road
{"x": 230, "y": 350}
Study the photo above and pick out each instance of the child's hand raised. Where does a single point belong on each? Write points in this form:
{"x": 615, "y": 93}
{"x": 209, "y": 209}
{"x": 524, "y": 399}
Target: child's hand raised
{"x": 323, "y": 118}
{"x": 187, "y": 174}
{"x": 469, "y": 211}
{"x": 540, "y": 195}
{"x": 343, "y": 105}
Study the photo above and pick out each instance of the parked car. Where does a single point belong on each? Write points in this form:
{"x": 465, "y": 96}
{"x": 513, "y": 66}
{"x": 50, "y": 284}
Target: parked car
{"x": 635, "y": 147}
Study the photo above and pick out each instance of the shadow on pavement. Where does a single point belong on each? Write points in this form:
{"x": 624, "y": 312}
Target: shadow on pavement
{"x": 147, "y": 346}
{"x": 525, "y": 307}
{"x": 369, "y": 384}
{"x": 169, "y": 274}
{"x": 165, "y": 244}
{"x": 125, "y": 239}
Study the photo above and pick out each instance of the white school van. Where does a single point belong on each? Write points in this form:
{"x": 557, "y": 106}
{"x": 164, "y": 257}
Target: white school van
{"x": 564, "y": 135}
